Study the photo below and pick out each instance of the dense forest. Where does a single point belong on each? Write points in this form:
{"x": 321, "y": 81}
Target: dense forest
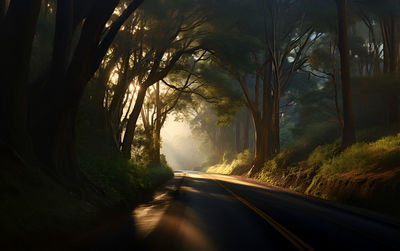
{"x": 299, "y": 93}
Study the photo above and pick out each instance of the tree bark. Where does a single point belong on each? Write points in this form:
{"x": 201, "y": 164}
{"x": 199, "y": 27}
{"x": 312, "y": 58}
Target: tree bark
{"x": 275, "y": 132}
{"x": 131, "y": 126}
{"x": 348, "y": 137}
{"x": 261, "y": 145}
{"x": 390, "y": 26}
{"x": 2, "y": 10}
{"x": 238, "y": 141}
{"x": 120, "y": 91}
{"x": 266, "y": 138}
{"x": 246, "y": 131}
{"x": 394, "y": 44}
{"x": 62, "y": 37}
{"x": 264, "y": 124}
{"x": 157, "y": 136}
{"x": 220, "y": 148}
{"x": 17, "y": 29}
{"x": 267, "y": 118}
{"x": 112, "y": 32}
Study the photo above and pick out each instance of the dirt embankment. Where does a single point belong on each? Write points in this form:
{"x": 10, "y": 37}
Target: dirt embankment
{"x": 378, "y": 189}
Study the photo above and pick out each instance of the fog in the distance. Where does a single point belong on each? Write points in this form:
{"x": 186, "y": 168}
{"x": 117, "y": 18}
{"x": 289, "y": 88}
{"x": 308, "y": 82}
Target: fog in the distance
{"x": 180, "y": 147}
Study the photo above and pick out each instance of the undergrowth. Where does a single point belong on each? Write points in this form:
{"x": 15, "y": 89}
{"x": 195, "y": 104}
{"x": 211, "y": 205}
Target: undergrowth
{"x": 121, "y": 178}
{"x": 236, "y": 166}
{"x": 384, "y": 153}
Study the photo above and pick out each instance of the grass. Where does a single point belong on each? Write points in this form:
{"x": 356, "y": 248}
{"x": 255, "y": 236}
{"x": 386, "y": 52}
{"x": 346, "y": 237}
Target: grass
{"x": 366, "y": 174}
{"x": 237, "y": 166}
{"x": 384, "y": 153}
{"x": 327, "y": 161}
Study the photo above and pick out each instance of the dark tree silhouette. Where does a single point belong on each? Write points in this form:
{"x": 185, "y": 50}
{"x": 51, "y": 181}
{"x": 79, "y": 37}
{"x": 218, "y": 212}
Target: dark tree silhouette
{"x": 349, "y": 136}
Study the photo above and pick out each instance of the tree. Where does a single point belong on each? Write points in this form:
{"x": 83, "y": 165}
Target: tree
{"x": 269, "y": 53}
{"x": 180, "y": 39}
{"x": 349, "y": 136}
{"x": 386, "y": 14}
{"x": 55, "y": 96}
{"x": 17, "y": 28}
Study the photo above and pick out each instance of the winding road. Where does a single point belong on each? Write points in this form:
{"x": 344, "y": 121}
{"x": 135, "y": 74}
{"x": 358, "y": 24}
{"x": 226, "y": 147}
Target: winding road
{"x": 199, "y": 211}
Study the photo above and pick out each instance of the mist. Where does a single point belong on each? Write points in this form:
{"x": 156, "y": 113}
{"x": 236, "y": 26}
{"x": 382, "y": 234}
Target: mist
{"x": 180, "y": 146}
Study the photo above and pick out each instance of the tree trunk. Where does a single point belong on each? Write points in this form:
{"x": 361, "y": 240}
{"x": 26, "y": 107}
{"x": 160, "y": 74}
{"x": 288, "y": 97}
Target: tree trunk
{"x": 54, "y": 129}
{"x": 349, "y": 137}
{"x": 394, "y": 44}
{"x": 220, "y": 149}
{"x": 62, "y": 37}
{"x": 17, "y": 29}
{"x": 120, "y": 89}
{"x": 264, "y": 123}
{"x": 260, "y": 142}
{"x": 389, "y": 29}
{"x": 275, "y": 137}
{"x": 246, "y": 131}
{"x": 2, "y": 10}
{"x": 267, "y": 117}
{"x": 391, "y": 59}
{"x": 238, "y": 141}
{"x": 157, "y": 135}
{"x": 131, "y": 126}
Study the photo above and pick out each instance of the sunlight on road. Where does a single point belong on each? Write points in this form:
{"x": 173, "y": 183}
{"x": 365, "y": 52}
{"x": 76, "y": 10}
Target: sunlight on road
{"x": 226, "y": 178}
{"x": 146, "y": 217}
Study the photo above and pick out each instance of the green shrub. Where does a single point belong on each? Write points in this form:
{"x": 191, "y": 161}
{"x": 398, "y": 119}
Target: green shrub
{"x": 228, "y": 157}
{"x": 323, "y": 154}
{"x": 121, "y": 178}
{"x": 383, "y": 153}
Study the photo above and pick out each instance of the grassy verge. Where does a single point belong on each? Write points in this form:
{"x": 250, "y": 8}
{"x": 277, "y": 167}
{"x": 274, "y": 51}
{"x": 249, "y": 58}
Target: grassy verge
{"x": 237, "y": 166}
{"x": 366, "y": 174}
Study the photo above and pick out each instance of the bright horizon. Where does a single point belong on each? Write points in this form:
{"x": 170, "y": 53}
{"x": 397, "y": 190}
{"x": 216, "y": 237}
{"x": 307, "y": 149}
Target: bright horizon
{"x": 180, "y": 146}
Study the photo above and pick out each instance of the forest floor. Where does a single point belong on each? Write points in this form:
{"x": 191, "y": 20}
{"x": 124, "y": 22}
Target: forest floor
{"x": 365, "y": 175}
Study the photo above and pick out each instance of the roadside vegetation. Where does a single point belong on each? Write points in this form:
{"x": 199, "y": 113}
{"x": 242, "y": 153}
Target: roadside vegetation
{"x": 237, "y": 166}
{"x": 366, "y": 174}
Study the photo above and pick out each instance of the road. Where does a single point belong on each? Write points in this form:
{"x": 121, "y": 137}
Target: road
{"x": 198, "y": 211}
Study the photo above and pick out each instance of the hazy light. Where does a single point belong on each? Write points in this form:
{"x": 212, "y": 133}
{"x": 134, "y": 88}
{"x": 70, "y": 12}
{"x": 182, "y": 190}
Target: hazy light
{"x": 131, "y": 88}
{"x": 180, "y": 146}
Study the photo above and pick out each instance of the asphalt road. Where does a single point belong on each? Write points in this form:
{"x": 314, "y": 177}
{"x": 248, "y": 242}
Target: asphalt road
{"x": 198, "y": 211}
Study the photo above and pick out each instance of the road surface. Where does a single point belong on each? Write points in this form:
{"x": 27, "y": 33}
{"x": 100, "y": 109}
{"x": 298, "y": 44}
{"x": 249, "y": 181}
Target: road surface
{"x": 198, "y": 211}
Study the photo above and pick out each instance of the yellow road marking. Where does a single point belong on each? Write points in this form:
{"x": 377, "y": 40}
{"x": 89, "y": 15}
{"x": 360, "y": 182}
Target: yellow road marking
{"x": 296, "y": 241}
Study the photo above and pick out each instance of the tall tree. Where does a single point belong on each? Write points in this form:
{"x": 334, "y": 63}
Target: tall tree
{"x": 18, "y": 30}
{"x": 349, "y": 136}
{"x": 71, "y": 73}
{"x": 385, "y": 13}
{"x": 180, "y": 40}
{"x": 276, "y": 44}
{"x": 3, "y": 5}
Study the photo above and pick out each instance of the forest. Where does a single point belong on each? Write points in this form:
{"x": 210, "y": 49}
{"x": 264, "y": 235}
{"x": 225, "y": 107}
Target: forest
{"x": 302, "y": 94}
